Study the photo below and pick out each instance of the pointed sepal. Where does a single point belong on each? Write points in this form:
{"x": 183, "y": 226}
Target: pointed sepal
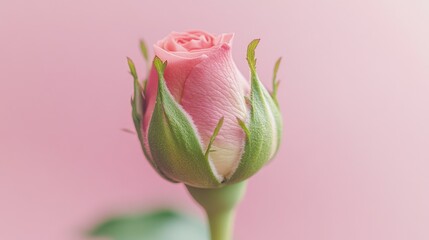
{"x": 244, "y": 127}
{"x": 213, "y": 137}
{"x": 276, "y": 82}
{"x": 145, "y": 54}
{"x": 174, "y": 142}
{"x": 137, "y": 104}
{"x": 143, "y": 50}
{"x": 136, "y": 100}
{"x": 263, "y": 128}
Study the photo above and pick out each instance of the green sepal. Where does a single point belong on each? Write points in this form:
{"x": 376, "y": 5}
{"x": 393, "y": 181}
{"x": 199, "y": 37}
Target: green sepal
{"x": 137, "y": 102}
{"x": 276, "y": 82}
{"x": 244, "y": 127}
{"x": 145, "y": 54}
{"x": 213, "y": 137}
{"x": 259, "y": 128}
{"x": 137, "y": 106}
{"x": 143, "y": 50}
{"x": 173, "y": 141}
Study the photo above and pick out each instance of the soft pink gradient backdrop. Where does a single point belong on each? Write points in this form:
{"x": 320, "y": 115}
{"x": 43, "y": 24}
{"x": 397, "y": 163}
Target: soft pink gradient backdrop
{"x": 354, "y": 95}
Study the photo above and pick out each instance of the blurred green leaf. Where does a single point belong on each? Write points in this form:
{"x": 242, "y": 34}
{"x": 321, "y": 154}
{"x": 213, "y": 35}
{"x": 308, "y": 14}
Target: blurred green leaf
{"x": 157, "y": 225}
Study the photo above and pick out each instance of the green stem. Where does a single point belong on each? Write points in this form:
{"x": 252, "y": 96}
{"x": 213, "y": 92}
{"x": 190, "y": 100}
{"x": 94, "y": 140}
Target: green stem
{"x": 221, "y": 225}
{"x": 219, "y": 204}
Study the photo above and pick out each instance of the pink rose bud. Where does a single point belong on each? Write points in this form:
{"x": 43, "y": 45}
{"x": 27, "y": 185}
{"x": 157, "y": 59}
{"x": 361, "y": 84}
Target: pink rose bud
{"x": 199, "y": 120}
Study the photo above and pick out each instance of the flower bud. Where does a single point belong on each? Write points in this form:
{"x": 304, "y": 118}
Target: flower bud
{"x": 199, "y": 120}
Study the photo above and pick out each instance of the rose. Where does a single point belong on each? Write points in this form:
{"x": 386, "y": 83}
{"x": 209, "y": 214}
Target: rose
{"x": 199, "y": 68}
{"x": 199, "y": 120}
{"x": 202, "y": 123}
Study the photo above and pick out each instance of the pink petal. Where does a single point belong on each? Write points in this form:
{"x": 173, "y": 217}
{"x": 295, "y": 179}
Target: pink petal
{"x": 215, "y": 88}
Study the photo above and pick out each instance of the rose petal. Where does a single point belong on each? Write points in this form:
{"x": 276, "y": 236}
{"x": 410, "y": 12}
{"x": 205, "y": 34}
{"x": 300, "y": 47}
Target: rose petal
{"x": 215, "y": 88}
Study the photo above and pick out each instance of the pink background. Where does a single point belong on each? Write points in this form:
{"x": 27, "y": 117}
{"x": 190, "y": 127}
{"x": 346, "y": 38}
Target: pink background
{"x": 354, "y": 95}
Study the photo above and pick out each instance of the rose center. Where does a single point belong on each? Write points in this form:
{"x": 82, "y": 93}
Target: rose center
{"x": 194, "y": 42}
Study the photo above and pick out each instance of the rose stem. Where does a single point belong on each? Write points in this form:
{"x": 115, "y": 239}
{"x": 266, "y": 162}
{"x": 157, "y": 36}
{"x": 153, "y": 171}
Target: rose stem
{"x": 219, "y": 205}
